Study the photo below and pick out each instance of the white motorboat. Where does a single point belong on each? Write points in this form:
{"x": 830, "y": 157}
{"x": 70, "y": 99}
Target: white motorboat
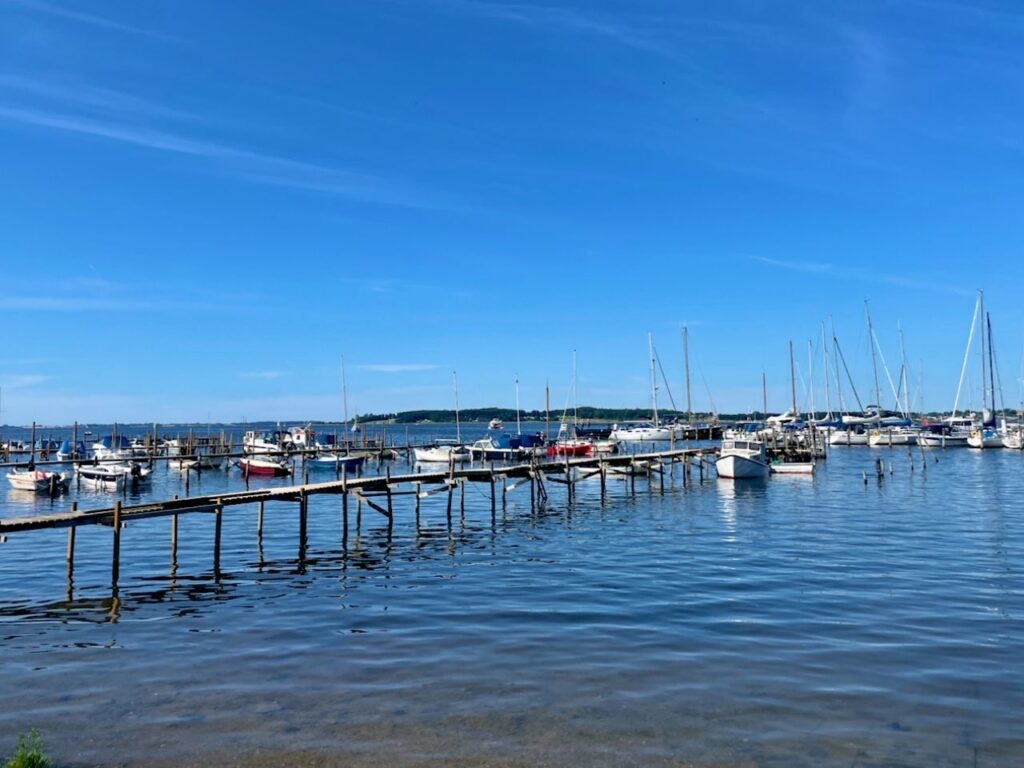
{"x": 742, "y": 459}
{"x": 37, "y": 480}
{"x": 112, "y": 477}
{"x": 255, "y": 442}
{"x": 1014, "y": 438}
{"x": 780, "y": 467}
{"x": 495, "y": 423}
{"x": 441, "y": 454}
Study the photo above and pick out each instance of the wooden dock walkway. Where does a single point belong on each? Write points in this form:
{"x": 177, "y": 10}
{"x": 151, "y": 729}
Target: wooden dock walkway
{"x": 378, "y": 493}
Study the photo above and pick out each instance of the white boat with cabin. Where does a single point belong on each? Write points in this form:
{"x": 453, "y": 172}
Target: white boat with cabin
{"x": 742, "y": 459}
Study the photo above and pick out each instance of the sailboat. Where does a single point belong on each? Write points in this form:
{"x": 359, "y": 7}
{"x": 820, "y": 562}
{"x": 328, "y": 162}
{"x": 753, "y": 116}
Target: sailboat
{"x": 337, "y": 460}
{"x": 446, "y": 454}
{"x": 985, "y": 435}
{"x": 652, "y": 430}
{"x": 568, "y": 443}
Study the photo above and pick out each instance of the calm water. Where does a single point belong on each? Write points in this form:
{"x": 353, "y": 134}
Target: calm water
{"x": 793, "y": 622}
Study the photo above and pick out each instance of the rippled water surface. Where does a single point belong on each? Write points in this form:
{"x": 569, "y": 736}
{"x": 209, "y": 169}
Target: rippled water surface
{"x": 793, "y": 622}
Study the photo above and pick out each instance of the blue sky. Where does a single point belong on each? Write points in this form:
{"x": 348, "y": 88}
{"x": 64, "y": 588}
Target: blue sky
{"x": 204, "y": 205}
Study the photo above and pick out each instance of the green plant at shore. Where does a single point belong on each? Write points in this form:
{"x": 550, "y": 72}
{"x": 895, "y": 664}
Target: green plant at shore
{"x": 29, "y": 753}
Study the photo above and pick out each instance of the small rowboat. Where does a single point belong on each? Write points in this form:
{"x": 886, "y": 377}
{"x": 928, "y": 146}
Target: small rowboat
{"x": 37, "y": 480}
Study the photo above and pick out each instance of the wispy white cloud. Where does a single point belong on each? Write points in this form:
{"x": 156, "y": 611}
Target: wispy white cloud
{"x": 22, "y": 380}
{"x": 397, "y": 367}
{"x": 71, "y": 304}
{"x": 92, "y": 19}
{"x": 837, "y": 272}
{"x": 254, "y": 166}
{"x": 262, "y": 375}
{"x": 798, "y": 266}
{"x": 643, "y": 35}
{"x": 67, "y": 91}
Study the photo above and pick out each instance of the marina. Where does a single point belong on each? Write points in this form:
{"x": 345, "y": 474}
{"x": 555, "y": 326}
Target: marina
{"x": 754, "y": 582}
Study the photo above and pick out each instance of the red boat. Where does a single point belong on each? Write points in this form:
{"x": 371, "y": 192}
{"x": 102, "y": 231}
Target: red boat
{"x": 263, "y": 466}
{"x": 571, "y": 448}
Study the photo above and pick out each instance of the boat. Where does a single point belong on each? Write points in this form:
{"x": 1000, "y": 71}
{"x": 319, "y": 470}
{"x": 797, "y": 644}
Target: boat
{"x": 37, "y": 480}
{"x": 1013, "y": 439}
{"x": 263, "y": 466}
{"x": 650, "y": 431}
{"x": 113, "y": 448}
{"x": 495, "y": 423}
{"x": 893, "y": 436}
{"x": 259, "y": 442}
{"x": 68, "y": 450}
{"x": 985, "y": 437}
{"x": 742, "y": 459}
{"x": 504, "y": 447}
{"x": 783, "y": 467}
{"x": 643, "y": 432}
{"x": 112, "y": 477}
{"x": 336, "y": 462}
{"x": 951, "y": 432}
{"x": 436, "y": 454}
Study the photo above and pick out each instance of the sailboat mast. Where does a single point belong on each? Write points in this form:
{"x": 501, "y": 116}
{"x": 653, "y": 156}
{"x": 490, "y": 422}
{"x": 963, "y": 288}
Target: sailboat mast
{"x": 984, "y": 387}
{"x": 904, "y": 376}
{"x": 824, "y": 362}
{"x": 686, "y": 367}
{"x": 654, "y": 380}
{"x": 344, "y": 392}
{"x": 967, "y": 354}
{"x": 810, "y": 378}
{"x": 547, "y": 409}
{"x": 991, "y": 370}
{"x": 519, "y": 429}
{"x": 575, "y": 396}
{"x": 792, "y": 377}
{"x": 874, "y": 362}
{"x": 458, "y": 427}
{"x": 764, "y": 398}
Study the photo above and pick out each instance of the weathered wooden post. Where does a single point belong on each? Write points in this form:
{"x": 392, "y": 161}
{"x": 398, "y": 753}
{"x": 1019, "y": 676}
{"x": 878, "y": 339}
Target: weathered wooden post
{"x": 71, "y": 550}
{"x": 217, "y": 520}
{"x": 344, "y": 505}
{"x": 387, "y": 489}
{"x": 115, "y": 564}
{"x": 303, "y": 510}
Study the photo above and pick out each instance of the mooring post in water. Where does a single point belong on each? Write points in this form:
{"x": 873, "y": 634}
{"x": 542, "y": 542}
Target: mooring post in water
{"x": 344, "y": 505}
{"x": 217, "y": 520}
{"x": 387, "y": 490}
{"x": 603, "y": 474}
{"x": 632, "y": 476}
{"x": 417, "y": 486}
{"x": 303, "y": 510}
{"x": 71, "y": 550}
{"x": 494, "y": 500}
{"x": 115, "y": 563}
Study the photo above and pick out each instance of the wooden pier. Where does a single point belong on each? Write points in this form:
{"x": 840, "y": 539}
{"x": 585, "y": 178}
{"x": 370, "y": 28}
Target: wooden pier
{"x": 378, "y": 493}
